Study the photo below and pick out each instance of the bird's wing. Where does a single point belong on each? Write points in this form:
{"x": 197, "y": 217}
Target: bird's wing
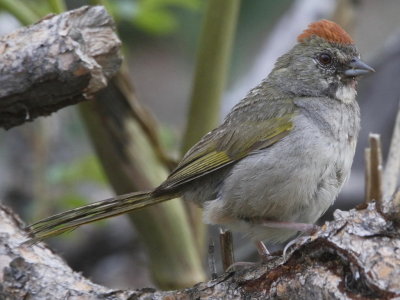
{"x": 222, "y": 147}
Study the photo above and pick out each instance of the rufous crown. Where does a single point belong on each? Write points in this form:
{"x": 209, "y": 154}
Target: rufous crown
{"x": 327, "y": 30}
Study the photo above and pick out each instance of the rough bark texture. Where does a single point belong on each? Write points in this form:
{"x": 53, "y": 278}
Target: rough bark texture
{"x": 356, "y": 256}
{"x": 36, "y": 272}
{"x": 59, "y": 61}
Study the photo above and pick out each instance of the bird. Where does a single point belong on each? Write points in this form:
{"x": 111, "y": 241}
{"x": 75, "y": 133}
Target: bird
{"x": 278, "y": 160}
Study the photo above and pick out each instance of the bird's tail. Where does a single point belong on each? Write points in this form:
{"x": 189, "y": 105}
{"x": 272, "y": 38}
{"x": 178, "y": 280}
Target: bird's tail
{"x": 74, "y": 218}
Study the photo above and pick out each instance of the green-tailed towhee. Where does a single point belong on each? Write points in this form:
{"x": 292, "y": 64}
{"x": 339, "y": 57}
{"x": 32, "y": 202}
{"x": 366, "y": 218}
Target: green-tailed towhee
{"x": 279, "y": 159}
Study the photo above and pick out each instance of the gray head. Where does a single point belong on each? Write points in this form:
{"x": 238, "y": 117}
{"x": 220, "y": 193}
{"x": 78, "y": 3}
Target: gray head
{"x": 324, "y": 62}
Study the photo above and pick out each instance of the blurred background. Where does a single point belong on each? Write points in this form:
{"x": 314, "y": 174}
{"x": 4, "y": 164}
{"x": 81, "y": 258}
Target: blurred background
{"x": 49, "y": 165}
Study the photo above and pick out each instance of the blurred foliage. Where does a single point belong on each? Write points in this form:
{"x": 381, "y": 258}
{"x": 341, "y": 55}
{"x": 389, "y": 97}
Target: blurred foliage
{"x": 170, "y": 141}
{"x": 155, "y": 16}
{"x": 83, "y": 168}
{"x": 256, "y": 19}
{"x": 70, "y": 201}
{"x": 139, "y": 20}
{"x": 68, "y": 178}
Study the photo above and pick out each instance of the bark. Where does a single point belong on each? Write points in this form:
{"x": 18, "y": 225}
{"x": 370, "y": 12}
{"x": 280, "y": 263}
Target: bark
{"x": 59, "y": 61}
{"x": 355, "y": 256}
{"x": 35, "y": 272}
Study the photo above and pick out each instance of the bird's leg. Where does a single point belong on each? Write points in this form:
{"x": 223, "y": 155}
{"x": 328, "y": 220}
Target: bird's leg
{"x": 303, "y": 227}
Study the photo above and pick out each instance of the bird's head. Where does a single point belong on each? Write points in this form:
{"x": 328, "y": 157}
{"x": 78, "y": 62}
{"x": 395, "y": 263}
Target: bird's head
{"x": 324, "y": 62}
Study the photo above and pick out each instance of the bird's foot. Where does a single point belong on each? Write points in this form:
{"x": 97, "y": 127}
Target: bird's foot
{"x": 297, "y": 242}
{"x": 305, "y": 228}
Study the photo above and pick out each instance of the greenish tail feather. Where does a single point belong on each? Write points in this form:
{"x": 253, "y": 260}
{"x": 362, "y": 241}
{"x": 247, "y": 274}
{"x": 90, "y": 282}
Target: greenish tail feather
{"x": 74, "y": 218}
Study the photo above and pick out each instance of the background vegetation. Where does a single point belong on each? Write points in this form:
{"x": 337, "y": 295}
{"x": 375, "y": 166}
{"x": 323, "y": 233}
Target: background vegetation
{"x": 50, "y": 165}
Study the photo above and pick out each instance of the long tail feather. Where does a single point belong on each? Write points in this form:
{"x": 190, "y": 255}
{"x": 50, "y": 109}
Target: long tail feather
{"x": 74, "y": 218}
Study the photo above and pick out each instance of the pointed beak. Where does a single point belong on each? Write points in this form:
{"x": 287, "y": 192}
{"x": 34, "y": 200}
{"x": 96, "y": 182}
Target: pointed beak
{"x": 357, "y": 67}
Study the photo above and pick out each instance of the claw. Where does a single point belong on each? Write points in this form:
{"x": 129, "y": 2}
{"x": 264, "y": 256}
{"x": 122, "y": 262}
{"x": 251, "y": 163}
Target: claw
{"x": 297, "y": 241}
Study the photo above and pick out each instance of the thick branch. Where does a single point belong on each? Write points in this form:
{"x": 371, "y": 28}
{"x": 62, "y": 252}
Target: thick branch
{"x": 355, "y": 256}
{"x": 56, "y": 62}
{"x": 36, "y": 272}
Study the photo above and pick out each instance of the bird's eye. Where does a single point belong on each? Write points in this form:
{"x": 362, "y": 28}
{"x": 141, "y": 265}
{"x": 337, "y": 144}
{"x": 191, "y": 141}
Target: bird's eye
{"x": 325, "y": 59}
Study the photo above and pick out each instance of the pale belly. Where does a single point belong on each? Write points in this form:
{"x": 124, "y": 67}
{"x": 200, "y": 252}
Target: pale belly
{"x": 295, "y": 180}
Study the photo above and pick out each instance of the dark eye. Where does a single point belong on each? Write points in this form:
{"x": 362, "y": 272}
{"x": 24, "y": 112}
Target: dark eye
{"x": 325, "y": 59}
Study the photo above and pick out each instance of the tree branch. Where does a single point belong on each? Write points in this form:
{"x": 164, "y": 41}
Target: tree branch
{"x": 56, "y": 62}
{"x": 36, "y": 272}
{"x": 354, "y": 256}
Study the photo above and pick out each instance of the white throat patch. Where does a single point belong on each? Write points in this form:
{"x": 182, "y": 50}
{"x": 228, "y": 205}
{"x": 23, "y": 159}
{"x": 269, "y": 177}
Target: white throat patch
{"x": 346, "y": 93}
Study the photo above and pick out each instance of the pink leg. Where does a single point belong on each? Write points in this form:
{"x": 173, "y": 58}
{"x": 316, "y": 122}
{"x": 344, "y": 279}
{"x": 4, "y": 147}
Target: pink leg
{"x": 303, "y": 227}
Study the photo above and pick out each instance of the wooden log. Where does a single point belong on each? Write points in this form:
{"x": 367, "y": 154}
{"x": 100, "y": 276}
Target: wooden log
{"x": 59, "y": 61}
{"x": 353, "y": 257}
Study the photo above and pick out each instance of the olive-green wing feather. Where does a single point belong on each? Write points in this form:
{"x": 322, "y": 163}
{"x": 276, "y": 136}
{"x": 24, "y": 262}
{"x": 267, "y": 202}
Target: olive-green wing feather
{"x": 222, "y": 147}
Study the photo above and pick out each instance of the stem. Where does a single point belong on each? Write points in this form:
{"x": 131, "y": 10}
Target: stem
{"x": 367, "y": 159}
{"x": 211, "y": 69}
{"x": 376, "y": 170}
{"x": 209, "y": 83}
{"x": 227, "y": 255}
{"x": 57, "y": 6}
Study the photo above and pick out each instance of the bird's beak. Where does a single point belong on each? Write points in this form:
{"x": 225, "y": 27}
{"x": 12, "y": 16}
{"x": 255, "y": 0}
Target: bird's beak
{"x": 357, "y": 67}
